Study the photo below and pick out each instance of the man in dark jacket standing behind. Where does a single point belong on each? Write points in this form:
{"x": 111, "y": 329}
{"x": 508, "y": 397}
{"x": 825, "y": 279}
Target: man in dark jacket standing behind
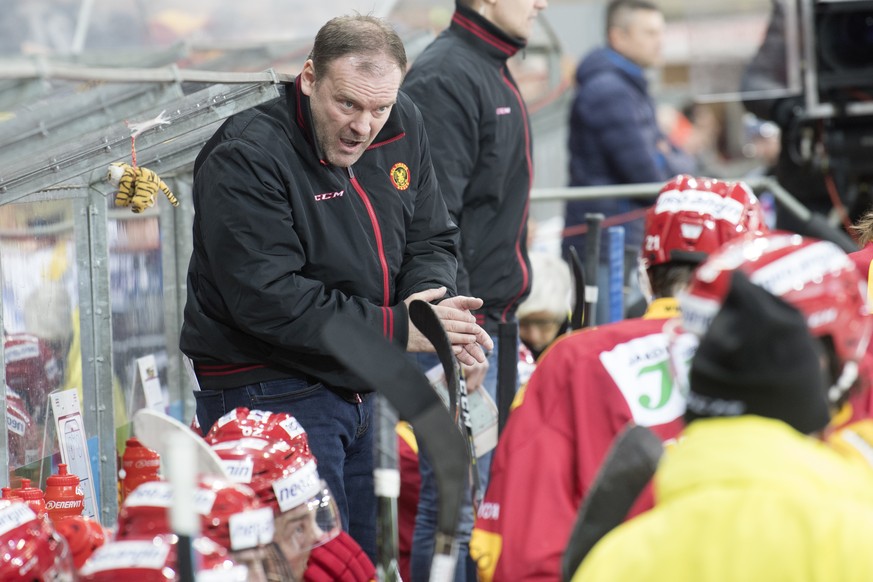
{"x": 479, "y": 132}
{"x": 320, "y": 202}
{"x": 614, "y": 136}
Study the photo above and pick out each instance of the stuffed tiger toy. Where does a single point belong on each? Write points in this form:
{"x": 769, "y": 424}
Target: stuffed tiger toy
{"x": 137, "y": 186}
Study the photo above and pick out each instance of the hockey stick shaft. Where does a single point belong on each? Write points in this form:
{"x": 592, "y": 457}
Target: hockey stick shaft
{"x": 628, "y": 467}
{"x": 426, "y": 320}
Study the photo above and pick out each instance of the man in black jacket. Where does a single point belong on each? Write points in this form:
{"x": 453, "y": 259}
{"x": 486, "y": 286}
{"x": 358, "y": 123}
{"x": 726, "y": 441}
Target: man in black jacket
{"x": 323, "y": 201}
{"x": 480, "y": 134}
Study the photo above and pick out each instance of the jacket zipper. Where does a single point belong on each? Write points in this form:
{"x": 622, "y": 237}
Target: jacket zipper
{"x": 525, "y": 276}
{"x": 378, "y": 233}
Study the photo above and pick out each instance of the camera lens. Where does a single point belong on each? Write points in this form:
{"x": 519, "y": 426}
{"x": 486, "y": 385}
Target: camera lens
{"x": 846, "y": 40}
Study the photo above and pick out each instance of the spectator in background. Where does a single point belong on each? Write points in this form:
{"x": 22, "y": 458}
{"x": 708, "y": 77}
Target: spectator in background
{"x": 544, "y": 315}
{"x": 614, "y": 135}
{"x": 480, "y": 136}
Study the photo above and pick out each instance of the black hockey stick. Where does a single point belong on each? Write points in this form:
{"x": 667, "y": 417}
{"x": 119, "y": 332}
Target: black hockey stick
{"x": 427, "y": 322}
{"x": 507, "y": 369}
{"x": 383, "y": 367}
{"x": 625, "y": 472}
{"x": 579, "y": 318}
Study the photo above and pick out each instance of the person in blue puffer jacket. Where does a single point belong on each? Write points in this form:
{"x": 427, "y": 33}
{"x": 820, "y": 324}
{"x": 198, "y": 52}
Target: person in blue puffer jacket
{"x": 614, "y": 136}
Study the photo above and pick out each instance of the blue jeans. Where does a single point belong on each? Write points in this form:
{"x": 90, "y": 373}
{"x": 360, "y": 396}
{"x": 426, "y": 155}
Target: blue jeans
{"x": 339, "y": 435}
{"x": 428, "y": 498}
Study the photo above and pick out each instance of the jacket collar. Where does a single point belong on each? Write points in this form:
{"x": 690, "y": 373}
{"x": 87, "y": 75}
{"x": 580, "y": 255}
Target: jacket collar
{"x": 624, "y": 63}
{"x": 302, "y": 114}
{"x": 477, "y": 30}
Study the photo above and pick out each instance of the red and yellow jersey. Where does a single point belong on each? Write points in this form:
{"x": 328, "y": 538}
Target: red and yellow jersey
{"x": 587, "y": 386}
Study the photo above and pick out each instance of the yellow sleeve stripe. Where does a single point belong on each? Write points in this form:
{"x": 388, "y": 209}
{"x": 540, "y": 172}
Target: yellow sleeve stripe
{"x": 404, "y": 431}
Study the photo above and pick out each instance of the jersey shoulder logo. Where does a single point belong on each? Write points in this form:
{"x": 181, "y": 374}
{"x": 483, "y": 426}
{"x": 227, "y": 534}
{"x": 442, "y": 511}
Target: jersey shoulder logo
{"x": 400, "y": 176}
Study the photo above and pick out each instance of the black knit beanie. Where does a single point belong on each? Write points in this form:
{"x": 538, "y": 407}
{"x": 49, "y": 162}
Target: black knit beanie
{"x": 759, "y": 358}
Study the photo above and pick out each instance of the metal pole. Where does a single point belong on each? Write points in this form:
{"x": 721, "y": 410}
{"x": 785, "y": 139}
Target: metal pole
{"x": 387, "y": 484}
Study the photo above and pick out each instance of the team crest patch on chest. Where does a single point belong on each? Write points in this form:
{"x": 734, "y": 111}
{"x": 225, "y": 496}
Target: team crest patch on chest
{"x": 400, "y": 176}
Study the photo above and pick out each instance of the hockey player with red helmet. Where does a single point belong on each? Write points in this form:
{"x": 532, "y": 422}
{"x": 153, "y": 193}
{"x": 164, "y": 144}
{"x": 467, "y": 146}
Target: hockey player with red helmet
{"x": 231, "y": 515}
{"x": 588, "y": 385}
{"x": 30, "y": 548}
{"x": 270, "y": 453}
{"x": 155, "y": 559}
{"x": 781, "y": 327}
{"x": 822, "y": 282}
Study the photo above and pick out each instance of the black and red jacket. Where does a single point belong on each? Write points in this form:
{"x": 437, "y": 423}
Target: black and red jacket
{"x": 283, "y": 241}
{"x": 480, "y": 139}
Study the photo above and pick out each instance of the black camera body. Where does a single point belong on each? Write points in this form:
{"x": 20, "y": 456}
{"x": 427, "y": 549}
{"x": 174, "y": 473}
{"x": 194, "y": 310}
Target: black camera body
{"x": 843, "y": 47}
{"x": 838, "y": 85}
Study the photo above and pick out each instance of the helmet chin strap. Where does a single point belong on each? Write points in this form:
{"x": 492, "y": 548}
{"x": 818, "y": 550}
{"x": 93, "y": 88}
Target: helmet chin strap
{"x": 844, "y": 382}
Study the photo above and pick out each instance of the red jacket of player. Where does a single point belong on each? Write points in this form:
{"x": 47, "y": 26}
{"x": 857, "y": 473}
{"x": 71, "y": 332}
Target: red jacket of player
{"x": 585, "y": 388}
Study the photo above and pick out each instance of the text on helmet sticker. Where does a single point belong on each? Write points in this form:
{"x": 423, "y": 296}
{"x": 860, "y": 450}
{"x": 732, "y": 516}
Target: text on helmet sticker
{"x": 239, "y": 470}
{"x": 292, "y": 427}
{"x": 224, "y": 419}
{"x": 251, "y": 529}
{"x": 204, "y": 499}
{"x": 14, "y": 516}
{"x": 238, "y": 573}
{"x": 801, "y": 267}
{"x": 151, "y": 494}
{"x": 160, "y": 494}
{"x": 259, "y": 415}
{"x": 641, "y": 370}
{"x": 734, "y": 254}
{"x": 697, "y": 312}
{"x": 300, "y": 486}
{"x": 127, "y": 554}
{"x": 700, "y": 201}
{"x": 15, "y": 424}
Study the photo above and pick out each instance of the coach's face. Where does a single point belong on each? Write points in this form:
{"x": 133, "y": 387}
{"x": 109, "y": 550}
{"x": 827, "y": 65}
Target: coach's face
{"x": 350, "y": 103}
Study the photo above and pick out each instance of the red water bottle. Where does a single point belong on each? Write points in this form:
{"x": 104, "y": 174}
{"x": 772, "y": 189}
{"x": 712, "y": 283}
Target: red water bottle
{"x": 139, "y": 464}
{"x": 63, "y": 495}
{"x": 32, "y": 496}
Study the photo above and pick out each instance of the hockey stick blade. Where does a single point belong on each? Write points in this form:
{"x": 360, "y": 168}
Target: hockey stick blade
{"x": 625, "y": 472}
{"x": 428, "y": 323}
{"x": 161, "y": 432}
{"x": 384, "y": 368}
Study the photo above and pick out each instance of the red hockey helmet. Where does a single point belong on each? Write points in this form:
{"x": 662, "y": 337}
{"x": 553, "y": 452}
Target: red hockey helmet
{"x": 154, "y": 559}
{"x": 32, "y": 367}
{"x": 272, "y": 426}
{"x": 692, "y": 217}
{"x": 283, "y": 477}
{"x": 814, "y": 276}
{"x": 30, "y": 548}
{"x": 83, "y": 535}
{"x": 230, "y": 513}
